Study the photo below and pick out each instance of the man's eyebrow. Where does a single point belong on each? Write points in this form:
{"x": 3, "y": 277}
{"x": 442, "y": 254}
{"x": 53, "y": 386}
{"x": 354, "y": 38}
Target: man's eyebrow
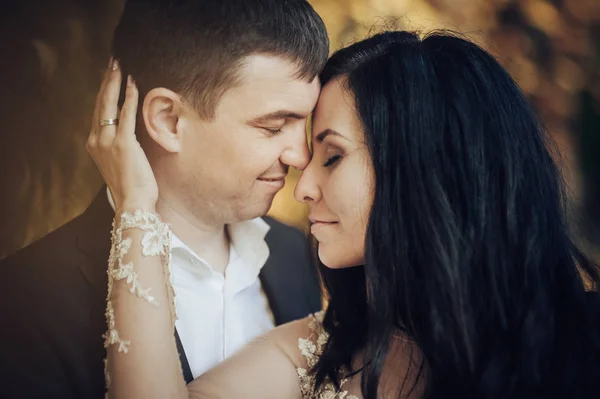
{"x": 327, "y": 132}
{"x": 277, "y": 115}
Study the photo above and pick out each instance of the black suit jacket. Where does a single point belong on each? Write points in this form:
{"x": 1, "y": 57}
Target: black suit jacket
{"x": 52, "y": 302}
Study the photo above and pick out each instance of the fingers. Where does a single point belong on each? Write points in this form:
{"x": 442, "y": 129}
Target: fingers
{"x": 101, "y": 91}
{"x": 108, "y": 105}
{"x": 105, "y": 78}
{"x": 127, "y": 118}
{"x": 92, "y": 140}
{"x": 109, "y": 97}
{"x": 106, "y": 108}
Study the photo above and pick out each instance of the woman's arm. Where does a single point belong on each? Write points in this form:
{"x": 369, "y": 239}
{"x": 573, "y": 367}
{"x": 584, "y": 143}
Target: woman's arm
{"x": 142, "y": 359}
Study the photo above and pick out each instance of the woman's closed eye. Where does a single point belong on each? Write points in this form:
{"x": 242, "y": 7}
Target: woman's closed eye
{"x": 332, "y": 160}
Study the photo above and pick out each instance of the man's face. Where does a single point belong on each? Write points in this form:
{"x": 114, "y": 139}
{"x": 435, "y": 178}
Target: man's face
{"x": 230, "y": 168}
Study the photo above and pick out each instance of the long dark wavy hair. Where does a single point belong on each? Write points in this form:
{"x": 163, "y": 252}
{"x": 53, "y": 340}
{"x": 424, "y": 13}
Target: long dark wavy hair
{"x": 467, "y": 249}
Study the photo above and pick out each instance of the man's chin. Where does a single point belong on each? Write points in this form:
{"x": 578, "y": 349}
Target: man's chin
{"x": 255, "y": 209}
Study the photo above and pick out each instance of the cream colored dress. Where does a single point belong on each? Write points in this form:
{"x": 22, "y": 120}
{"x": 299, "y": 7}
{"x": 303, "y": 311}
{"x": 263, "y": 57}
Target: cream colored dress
{"x": 142, "y": 359}
{"x": 311, "y": 348}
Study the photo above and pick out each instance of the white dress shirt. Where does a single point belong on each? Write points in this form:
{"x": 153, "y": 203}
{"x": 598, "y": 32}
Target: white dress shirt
{"x": 219, "y": 313}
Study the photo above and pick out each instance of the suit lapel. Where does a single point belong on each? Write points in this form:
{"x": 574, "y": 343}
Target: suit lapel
{"x": 268, "y": 279}
{"x": 185, "y": 366}
{"x": 285, "y": 278}
{"x": 93, "y": 229}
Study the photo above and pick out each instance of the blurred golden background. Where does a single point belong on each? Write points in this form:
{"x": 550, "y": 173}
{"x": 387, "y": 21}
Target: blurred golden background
{"x": 54, "y": 54}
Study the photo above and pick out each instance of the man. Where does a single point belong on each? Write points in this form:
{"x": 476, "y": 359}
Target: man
{"x": 226, "y": 87}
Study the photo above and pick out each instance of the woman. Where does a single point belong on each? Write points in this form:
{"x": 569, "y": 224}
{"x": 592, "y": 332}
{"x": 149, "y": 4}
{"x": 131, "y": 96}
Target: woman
{"x": 438, "y": 212}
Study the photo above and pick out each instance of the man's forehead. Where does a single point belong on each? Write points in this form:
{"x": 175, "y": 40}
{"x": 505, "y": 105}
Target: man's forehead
{"x": 272, "y": 72}
{"x": 268, "y": 83}
{"x": 268, "y": 67}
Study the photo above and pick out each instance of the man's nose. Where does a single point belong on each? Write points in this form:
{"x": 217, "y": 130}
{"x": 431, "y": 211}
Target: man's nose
{"x": 296, "y": 153}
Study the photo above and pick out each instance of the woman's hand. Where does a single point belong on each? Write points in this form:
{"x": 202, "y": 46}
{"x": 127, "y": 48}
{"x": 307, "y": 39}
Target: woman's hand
{"x": 115, "y": 148}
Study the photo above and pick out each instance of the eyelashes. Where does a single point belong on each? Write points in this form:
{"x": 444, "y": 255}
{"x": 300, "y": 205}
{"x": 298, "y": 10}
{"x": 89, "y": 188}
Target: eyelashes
{"x": 273, "y": 132}
{"x": 331, "y": 161}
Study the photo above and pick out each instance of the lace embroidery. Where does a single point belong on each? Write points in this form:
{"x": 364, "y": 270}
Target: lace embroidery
{"x": 311, "y": 349}
{"x": 156, "y": 241}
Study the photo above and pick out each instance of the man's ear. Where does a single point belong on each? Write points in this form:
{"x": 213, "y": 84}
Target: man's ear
{"x": 161, "y": 111}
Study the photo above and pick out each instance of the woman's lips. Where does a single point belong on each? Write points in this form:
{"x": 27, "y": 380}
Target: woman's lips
{"x": 317, "y": 226}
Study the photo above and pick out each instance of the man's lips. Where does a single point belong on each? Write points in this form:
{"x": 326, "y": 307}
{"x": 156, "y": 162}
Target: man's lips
{"x": 273, "y": 181}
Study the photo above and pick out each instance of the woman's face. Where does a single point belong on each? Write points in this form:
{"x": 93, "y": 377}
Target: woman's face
{"x": 337, "y": 183}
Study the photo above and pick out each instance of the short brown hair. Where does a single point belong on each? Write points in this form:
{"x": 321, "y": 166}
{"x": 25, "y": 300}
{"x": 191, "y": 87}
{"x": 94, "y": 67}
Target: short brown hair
{"x": 195, "y": 47}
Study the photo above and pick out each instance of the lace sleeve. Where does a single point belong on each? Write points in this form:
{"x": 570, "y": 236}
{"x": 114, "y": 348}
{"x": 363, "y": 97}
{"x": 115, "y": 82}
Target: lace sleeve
{"x": 156, "y": 241}
{"x": 140, "y": 311}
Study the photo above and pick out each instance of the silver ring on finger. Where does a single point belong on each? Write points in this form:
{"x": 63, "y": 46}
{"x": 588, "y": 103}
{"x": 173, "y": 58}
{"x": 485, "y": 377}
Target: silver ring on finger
{"x": 108, "y": 122}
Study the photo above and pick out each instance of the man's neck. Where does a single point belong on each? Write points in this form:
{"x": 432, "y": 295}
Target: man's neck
{"x": 209, "y": 241}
